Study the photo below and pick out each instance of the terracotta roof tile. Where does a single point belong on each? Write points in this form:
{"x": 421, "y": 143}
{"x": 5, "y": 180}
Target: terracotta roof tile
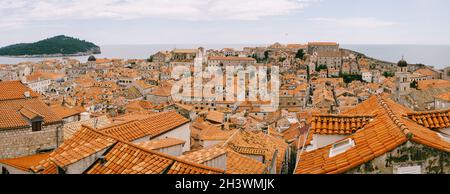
{"x": 64, "y": 112}
{"x": 368, "y": 144}
{"x": 25, "y": 163}
{"x": 231, "y": 58}
{"x": 126, "y": 158}
{"x": 121, "y": 157}
{"x": 388, "y": 130}
{"x": 215, "y": 116}
{"x": 160, "y": 143}
{"x": 83, "y": 144}
{"x": 204, "y": 155}
{"x": 13, "y": 90}
{"x": 435, "y": 83}
{"x": 259, "y": 143}
{"x": 16, "y": 113}
{"x": 432, "y": 119}
{"x": 240, "y": 164}
{"x": 338, "y": 125}
{"x": 153, "y": 125}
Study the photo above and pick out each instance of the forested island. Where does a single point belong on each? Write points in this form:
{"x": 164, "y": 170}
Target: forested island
{"x": 56, "y": 46}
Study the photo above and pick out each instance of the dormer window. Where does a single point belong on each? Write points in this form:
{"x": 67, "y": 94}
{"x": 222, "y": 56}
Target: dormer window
{"x": 341, "y": 147}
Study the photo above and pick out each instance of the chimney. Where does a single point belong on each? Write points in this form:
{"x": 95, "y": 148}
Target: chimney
{"x": 27, "y": 94}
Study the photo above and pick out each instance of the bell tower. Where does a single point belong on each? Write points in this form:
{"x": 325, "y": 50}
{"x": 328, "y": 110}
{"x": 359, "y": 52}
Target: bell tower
{"x": 402, "y": 80}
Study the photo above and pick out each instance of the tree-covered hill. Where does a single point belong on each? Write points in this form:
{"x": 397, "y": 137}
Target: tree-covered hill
{"x": 58, "y": 45}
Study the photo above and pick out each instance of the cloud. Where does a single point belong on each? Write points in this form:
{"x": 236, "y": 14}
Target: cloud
{"x": 28, "y": 11}
{"x": 356, "y": 22}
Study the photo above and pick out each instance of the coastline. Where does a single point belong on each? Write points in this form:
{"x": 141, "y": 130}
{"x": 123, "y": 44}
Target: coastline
{"x": 51, "y": 55}
{"x": 436, "y": 56}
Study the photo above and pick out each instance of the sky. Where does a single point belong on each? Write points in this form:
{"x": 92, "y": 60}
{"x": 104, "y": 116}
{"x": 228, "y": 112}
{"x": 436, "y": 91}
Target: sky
{"x": 227, "y": 21}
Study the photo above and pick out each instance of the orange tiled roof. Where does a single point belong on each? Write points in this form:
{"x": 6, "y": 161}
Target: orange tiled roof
{"x": 444, "y": 96}
{"x": 153, "y": 125}
{"x": 121, "y": 158}
{"x": 25, "y": 163}
{"x": 64, "y": 112}
{"x": 99, "y": 61}
{"x": 30, "y": 114}
{"x": 13, "y": 90}
{"x": 342, "y": 125}
{"x": 190, "y": 168}
{"x": 295, "y": 132}
{"x": 425, "y": 72}
{"x": 211, "y": 132}
{"x": 248, "y": 150}
{"x": 83, "y": 144}
{"x": 162, "y": 91}
{"x": 438, "y": 83}
{"x": 15, "y": 113}
{"x": 259, "y": 143}
{"x": 231, "y": 58}
{"x": 322, "y": 43}
{"x": 215, "y": 116}
{"x": 204, "y": 155}
{"x": 160, "y": 143}
{"x": 182, "y": 51}
{"x": 378, "y": 137}
{"x": 160, "y": 123}
{"x": 125, "y": 158}
{"x": 240, "y": 164}
{"x": 432, "y": 119}
{"x": 296, "y": 46}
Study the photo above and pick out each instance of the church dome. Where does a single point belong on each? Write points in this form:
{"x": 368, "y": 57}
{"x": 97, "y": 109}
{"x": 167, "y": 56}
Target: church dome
{"x": 402, "y": 63}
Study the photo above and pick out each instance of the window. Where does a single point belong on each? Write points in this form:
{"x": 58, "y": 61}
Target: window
{"x": 36, "y": 126}
{"x": 341, "y": 147}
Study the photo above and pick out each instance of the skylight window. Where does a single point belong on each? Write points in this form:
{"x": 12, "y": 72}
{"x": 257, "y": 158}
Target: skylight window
{"x": 445, "y": 137}
{"x": 341, "y": 147}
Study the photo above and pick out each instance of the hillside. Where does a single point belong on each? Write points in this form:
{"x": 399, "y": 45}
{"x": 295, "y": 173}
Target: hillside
{"x": 57, "y": 46}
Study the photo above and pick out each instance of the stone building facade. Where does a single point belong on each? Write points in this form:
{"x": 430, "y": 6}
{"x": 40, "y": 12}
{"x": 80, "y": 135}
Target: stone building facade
{"x": 314, "y": 47}
{"x": 409, "y": 158}
{"x": 27, "y": 125}
{"x": 24, "y": 142}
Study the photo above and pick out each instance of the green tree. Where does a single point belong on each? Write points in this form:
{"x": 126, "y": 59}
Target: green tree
{"x": 320, "y": 67}
{"x": 56, "y": 45}
{"x": 414, "y": 85}
{"x": 350, "y": 78}
{"x": 300, "y": 54}
{"x": 150, "y": 59}
{"x": 266, "y": 55}
{"x": 388, "y": 74}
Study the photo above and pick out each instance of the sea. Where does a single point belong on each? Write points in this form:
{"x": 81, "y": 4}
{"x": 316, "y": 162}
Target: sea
{"x": 437, "y": 56}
